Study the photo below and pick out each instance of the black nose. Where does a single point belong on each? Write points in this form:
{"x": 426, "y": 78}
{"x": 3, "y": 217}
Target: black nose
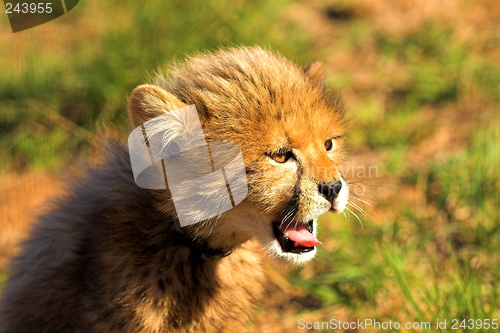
{"x": 330, "y": 190}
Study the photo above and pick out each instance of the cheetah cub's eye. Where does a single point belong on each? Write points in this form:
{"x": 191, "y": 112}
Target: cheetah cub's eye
{"x": 329, "y": 145}
{"x": 281, "y": 156}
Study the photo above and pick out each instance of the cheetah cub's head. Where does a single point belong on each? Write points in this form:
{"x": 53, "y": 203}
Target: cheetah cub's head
{"x": 290, "y": 129}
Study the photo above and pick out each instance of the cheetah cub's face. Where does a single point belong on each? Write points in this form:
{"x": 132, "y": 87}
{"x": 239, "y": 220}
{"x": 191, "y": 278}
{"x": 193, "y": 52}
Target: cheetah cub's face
{"x": 298, "y": 180}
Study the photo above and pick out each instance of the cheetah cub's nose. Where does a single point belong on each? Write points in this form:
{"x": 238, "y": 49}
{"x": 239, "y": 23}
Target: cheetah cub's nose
{"x": 330, "y": 190}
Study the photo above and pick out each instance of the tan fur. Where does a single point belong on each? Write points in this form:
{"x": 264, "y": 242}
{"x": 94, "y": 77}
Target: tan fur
{"x": 108, "y": 258}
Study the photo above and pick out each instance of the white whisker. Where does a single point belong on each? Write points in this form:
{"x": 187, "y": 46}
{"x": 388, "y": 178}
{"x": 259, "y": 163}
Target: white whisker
{"x": 361, "y": 210}
{"x": 359, "y": 199}
{"x": 350, "y": 211}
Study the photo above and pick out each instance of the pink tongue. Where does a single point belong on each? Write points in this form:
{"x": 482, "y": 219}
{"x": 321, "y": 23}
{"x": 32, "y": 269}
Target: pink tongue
{"x": 302, "y": 237}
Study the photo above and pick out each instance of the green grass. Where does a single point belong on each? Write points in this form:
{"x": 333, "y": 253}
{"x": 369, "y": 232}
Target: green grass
{"x": 3, "y": 277}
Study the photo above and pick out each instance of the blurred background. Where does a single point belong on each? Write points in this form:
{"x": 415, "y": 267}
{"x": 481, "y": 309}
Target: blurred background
{"x": 421, "y": 80}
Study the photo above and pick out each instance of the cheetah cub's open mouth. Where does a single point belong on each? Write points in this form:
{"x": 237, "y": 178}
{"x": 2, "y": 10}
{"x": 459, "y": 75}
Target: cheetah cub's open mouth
{"x": 296, "y": 237}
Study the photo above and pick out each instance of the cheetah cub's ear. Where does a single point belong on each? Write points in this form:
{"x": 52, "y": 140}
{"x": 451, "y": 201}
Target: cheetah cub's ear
{"x": 148, "y": 101}
{"x": 316, "y": 72}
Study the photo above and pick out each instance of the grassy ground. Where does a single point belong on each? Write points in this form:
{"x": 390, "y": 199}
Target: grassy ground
{"x": 421, "y": 82}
